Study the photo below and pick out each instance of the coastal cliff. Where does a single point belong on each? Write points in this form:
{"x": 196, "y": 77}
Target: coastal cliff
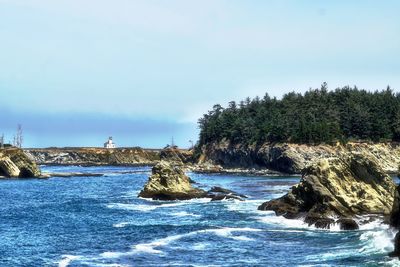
{"x": 293, "y": 158}
{"x": 94, "y": 156}
{"x": 102, "y": 156}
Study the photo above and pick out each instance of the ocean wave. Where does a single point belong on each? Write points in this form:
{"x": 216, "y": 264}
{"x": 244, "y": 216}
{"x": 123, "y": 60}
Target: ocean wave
{"x": 152, "y": 247}
{"x": 154, "y": 204}
{"x": 246, "y": 206}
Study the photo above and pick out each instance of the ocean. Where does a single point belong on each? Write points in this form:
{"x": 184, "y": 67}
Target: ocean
{"x": 100, "y": 221}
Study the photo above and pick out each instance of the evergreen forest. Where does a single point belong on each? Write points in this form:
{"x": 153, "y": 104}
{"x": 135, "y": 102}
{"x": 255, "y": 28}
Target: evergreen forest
{"x": 317, "y": 116}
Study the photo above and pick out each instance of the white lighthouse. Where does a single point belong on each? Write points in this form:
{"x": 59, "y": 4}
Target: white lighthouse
{"x": 109, "y": 143}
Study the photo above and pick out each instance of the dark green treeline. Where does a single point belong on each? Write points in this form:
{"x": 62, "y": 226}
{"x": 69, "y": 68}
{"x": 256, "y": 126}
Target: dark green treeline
{"x": 317, "y": 116}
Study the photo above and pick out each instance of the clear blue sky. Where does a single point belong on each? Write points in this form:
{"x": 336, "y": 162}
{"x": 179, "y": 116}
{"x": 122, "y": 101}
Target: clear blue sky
{"x": 73, "y": 72}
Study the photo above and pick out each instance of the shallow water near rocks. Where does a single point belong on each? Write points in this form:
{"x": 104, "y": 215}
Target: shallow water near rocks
{"x": 100, "y": 221}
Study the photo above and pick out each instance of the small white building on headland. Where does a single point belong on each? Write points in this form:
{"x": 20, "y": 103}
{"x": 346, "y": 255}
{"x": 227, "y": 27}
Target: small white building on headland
{"x": 109, "y": 143}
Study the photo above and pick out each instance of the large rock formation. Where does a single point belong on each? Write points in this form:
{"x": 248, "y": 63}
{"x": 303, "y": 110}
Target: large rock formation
{"x": 292, "y": 158}
{"x": 15, "y": 163}
{"x": 169, "y": 182}
{"x": 340, "y": 187}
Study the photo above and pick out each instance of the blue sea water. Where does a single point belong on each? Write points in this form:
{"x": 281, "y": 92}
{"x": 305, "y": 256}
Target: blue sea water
{"x": 100, "y": 221}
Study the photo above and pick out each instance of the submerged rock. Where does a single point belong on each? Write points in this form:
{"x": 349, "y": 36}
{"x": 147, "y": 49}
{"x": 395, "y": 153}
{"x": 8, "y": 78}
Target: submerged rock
{"x": 14, "y": 163}
{"x": 219, "y": 193}
{"x": 337, "y": 188}
{"x": 169, "y": 182}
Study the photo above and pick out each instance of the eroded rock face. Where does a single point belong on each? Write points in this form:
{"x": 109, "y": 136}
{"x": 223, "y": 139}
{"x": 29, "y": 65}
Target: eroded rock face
{"x": 169, "y": 182}
{"x": 293, "y": 158}
{"x": 176, "y": 155}
{"x": 340, "y": 187}
{"x": 15, "y": 163}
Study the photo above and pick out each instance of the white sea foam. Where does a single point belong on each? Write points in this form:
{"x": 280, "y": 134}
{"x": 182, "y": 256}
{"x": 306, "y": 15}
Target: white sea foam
{"x": 271, "y": 219}
{"x": 392, "y": 263}
{"x": 247, "y": 206}
{"x": 66, "y": 260}
{"x": 377, "y": 238}
{"x": 184, "y": 214}
{"x": 136, "y": 207}
{"x": 120, "y": 225}
{"x": 199, "y": 246}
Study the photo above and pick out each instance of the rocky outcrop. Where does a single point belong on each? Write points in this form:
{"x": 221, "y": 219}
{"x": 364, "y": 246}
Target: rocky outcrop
{"x": 169, "y": 182}
{"x": 292, "y": 158}
{"x": 95, "y": 156}
{"x": 14, "y": 163}
{"x": 340, "y": 187}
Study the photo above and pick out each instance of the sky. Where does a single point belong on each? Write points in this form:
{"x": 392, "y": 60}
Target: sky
{"x": 73, "y": 72}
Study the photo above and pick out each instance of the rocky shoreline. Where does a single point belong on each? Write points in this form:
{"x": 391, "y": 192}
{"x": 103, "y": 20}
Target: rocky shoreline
{"x": 223, "y": 158}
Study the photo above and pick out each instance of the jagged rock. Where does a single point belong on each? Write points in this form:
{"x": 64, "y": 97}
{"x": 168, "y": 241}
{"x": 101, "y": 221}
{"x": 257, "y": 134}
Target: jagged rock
{"x": 395, "y": 222}
{"x": 15, "y": 163}
{"x": 169, "y": 182}
{"x": 337, "y": 187}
